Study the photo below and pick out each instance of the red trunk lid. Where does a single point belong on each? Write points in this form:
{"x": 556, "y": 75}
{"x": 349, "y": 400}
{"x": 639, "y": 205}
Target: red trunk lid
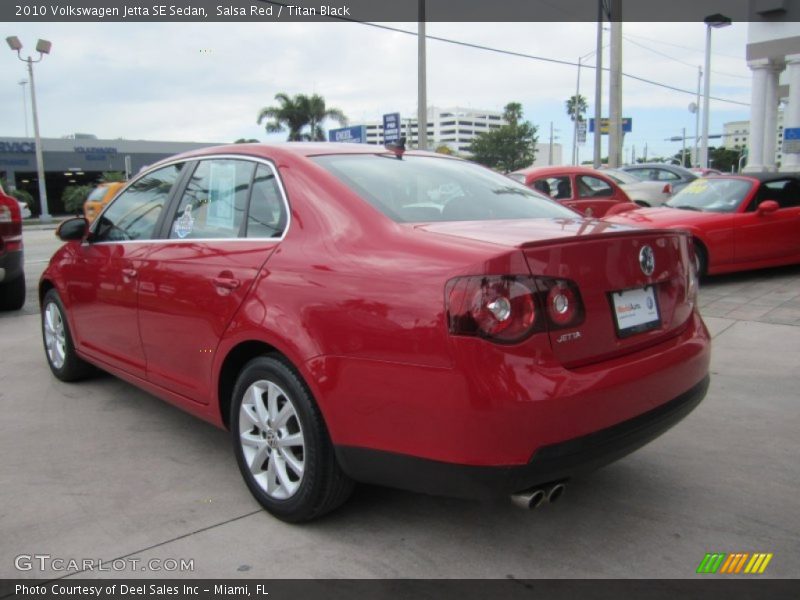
{"x": 601, "y": 259}
{"x": 602, "y": 266}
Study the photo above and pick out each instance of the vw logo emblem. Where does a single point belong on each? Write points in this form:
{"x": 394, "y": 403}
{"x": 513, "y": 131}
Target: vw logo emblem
{"x": 647, "y": 260}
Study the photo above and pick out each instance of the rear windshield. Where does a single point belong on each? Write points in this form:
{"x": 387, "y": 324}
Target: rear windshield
{"x": 427, "y": 189}
{"x": 97, "y": 194}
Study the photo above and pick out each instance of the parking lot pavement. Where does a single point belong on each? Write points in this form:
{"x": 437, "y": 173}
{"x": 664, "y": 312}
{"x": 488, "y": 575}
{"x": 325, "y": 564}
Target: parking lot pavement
{"x": 101, "y": 470}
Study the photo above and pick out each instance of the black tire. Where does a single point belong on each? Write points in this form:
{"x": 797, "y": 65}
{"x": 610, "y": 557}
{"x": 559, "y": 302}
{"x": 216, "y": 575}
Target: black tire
{"x": 700, "y": 260}
{"x": 322, "y": 486}
{"x": 12, "y": 293}
{"x": 54, "y": 320}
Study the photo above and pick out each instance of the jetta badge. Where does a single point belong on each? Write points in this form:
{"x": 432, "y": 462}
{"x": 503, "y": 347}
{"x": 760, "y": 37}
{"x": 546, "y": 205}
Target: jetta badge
{"x": 647, "y": 260}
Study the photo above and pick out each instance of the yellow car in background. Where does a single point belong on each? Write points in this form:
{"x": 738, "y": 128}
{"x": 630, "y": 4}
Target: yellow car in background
{"x": 100, "y": 196}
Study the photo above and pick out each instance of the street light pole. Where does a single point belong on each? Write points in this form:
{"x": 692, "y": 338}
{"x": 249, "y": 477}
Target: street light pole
{"x": 42, "y": 47}
{"x": 23, "y": 83}
{"x": 715, "y": 21}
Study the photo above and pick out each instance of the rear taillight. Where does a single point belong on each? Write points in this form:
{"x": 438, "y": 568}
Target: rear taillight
{"x": 5, "y": 214}
{"x": 563, "y": 306}
{"x": 509, "y": 308}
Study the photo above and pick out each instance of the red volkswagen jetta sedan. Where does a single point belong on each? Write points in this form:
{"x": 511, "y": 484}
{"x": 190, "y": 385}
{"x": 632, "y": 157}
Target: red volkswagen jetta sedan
{"x": 357, "y": 314}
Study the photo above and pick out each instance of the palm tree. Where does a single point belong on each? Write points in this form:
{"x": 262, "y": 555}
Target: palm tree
{"x": 576, "y": 107}
{"x": 295, "y": 113}
{"x": 317, "y": 113}
{"x": 291, "y": 114}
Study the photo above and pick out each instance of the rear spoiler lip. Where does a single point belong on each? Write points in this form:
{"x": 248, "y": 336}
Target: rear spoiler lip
{"x": 604, "y": 236}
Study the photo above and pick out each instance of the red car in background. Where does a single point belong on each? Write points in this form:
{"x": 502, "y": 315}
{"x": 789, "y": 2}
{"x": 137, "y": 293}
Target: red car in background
{"x": 584, "y": 190}
{"x": 737, "y": 222}
{"x": 12, "y": 275}
{"x": 406, "y": 319}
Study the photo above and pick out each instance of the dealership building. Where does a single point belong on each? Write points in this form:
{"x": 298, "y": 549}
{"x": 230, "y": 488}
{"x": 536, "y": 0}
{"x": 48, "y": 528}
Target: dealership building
{"x": 79, "y": 159}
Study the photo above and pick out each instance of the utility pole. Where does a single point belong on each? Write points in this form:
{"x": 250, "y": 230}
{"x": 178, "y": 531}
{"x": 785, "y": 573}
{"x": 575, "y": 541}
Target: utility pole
{"x": 683, "y": 148}
{"x": 615, "y": 135}
{"x": 422, "y": 92}
{"x": 598, "y": 87}
{"x": 696, "y": 156}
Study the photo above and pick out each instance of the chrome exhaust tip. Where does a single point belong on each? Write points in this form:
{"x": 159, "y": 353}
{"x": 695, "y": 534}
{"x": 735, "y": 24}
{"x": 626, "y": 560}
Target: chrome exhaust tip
{"x": 555, "y": 492}
{"x": 529, "y": 499}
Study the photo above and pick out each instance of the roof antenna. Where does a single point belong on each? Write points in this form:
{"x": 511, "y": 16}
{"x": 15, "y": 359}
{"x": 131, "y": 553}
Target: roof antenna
{"x": 398, "y": 147}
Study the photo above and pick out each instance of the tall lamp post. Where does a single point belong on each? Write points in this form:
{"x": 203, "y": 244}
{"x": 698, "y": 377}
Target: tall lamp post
{"x": 42, "y": 47}
{"x": 23, "y": 83}
{"x": 715, "y": 21}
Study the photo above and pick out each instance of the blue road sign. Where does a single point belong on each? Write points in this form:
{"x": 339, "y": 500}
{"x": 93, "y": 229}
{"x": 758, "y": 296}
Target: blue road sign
{"x": 353, "y": 135}
{"x": 791, "y": 140}
{"x": 627, "y": 125}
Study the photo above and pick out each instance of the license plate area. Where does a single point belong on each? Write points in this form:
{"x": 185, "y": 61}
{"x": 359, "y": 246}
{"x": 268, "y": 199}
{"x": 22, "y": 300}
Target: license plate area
{"x": 635, "y": 311}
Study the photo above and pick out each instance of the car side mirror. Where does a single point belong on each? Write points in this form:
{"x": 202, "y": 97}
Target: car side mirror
{"x": 72, "y": 229}
{"x": 767, "y": 207}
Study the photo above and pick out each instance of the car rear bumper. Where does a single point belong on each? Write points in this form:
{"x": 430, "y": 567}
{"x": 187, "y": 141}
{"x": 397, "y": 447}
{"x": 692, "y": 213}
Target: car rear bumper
{"x": 555, "y": 462}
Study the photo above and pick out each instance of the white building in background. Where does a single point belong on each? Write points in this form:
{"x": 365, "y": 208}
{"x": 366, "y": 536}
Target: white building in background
{"x": 736, "y": 136}
{"x": 773, "y": 55}
{"x": 455, "y": 127}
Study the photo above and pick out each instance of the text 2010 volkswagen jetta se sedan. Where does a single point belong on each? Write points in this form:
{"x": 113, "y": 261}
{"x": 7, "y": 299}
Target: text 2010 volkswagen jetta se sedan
{"x": 405, "y": 319}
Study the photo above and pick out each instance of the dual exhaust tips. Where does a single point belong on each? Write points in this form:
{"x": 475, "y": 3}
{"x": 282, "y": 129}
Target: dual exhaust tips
{"x": 535, "y": 497}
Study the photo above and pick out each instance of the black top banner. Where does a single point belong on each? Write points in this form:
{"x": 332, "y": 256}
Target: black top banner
{"x": 397, "y": 10}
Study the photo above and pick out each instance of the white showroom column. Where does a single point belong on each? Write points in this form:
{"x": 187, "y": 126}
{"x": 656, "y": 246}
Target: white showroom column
{"x": 771, "y": 116}
{"x": 791, "y": 114}
{"x": 758, "y": 97}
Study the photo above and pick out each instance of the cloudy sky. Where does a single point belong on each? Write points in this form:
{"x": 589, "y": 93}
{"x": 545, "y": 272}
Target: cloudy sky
{"x": 206, "y": 82}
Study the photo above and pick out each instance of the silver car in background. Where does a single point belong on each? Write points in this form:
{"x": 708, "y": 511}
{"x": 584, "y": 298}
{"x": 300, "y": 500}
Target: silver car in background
{"x": 643, "y": 193}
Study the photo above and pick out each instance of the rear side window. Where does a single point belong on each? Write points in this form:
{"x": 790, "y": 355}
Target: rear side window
{"x": 213, "y": 204}
{"x": 592, "y": 187}
{"x": 267, "y": 215}
{"x": 429, "y": 189}
{"x": 134, "y": 213}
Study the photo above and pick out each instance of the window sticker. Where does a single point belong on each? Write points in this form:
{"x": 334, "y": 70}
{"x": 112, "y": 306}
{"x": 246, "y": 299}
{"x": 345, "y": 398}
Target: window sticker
{"x": 184, "y": 225}
{"x": 221, "y": 195}
{"x": 698, "y": 186}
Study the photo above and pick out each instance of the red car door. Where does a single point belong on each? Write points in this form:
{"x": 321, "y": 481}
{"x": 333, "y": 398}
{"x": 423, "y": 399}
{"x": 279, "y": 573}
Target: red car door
{"x": 770, "y": 235}
{"x": 594, "y": 195}
{"x": 230, "y": 218}
{"x": 102, "y": 281}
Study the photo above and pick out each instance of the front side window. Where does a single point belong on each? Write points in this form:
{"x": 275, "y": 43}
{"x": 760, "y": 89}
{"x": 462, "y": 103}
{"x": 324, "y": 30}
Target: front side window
{"x": 133, "y": 215}
{"x": 213, "y": 204}
{"x": 426, "y": 189}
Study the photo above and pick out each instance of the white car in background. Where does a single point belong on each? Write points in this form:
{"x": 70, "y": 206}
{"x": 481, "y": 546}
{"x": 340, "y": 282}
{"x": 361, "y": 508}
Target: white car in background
{"x": 24, "y": 210}
{"x": 643, "y": 193}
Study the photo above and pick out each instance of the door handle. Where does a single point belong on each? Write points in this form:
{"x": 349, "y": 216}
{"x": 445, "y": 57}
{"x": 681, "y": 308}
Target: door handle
{"x": 226, "y": 283}
{"x": 129, "y": 273}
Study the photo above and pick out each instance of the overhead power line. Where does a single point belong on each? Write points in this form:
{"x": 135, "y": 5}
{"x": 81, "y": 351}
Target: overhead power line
{"x": 677, "y": 60}
{"x": 557, "y": 61}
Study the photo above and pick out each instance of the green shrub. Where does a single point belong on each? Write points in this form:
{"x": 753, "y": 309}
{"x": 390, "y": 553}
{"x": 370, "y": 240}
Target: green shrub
{"x": 74, "y": 196}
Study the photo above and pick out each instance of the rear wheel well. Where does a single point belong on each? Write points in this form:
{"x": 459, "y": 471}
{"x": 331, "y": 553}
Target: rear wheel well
{"x": 642, "y": 203}
{"x": 233, "y": 365}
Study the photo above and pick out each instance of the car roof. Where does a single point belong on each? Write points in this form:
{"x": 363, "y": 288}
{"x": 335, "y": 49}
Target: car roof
{"x": 558, "y": 170}
{"x": 667, "y": 166}
{"x": 287, "y": 149}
